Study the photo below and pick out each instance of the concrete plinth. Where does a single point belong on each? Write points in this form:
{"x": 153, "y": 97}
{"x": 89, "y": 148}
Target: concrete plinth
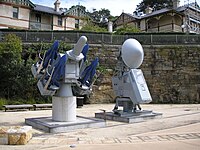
{"x": 51, "y": 126}
{"x": 64, "y": 108}
{"x": 129, "y": 117}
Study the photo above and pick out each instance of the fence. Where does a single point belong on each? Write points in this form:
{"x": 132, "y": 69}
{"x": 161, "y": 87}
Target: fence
{"x": 95, "y": 38}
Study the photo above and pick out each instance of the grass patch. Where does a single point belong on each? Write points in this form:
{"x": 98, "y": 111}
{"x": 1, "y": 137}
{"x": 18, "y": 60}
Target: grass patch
{"x": 2, "y": 102}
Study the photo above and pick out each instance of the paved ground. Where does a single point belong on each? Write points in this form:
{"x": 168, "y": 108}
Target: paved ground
{"x": 179, "y": 128}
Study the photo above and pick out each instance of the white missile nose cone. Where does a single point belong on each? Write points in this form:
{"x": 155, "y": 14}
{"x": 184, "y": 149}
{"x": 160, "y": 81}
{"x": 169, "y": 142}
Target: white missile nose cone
{"x": 79, "y": 45}
{"x": 132, "y": 53}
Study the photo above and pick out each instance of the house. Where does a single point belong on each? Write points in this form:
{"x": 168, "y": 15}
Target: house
{"x": 127, "y": 19}
{"x": 23, "y": 14}
{"x": 15, "y": 14}
{"x": 46, "y": 18}
{"x": 164, "y": 20}
{"x": 177, "y": 19}
{"x": 77, "y": 15}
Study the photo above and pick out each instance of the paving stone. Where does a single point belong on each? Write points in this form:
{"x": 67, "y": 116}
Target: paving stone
{"x": 124, "y": 140}
{"x": 165, "y": 138}
{"x": 194, "y": 135}
{"x": 117, "y": 140}
{"x": 187, "y": 136}
{"x": 135, "y": 141}
{"x": 51, "y": 140}
{"x": 34, "y": 141}
{"x": 197, "y": 134}
{"x": 177, "y": 137}
{"x": 97, "y": 140}
{"x": 154, "y": 138}
{"x": 108, "y": 141}
{"x": 84, "y": 140}
{"x": 150, "y": 139}
{"x": 145, "y": 138}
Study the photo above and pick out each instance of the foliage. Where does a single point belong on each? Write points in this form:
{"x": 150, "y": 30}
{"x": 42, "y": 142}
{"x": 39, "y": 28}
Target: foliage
{"x": 17, "y": 83}
{"x": 11, "y": 49}
{"x": 63, "y": 47}
{"x": 98, "y": 15}
{"x": 112, "y": 18}
{"x": 93, "y": 27}
{"x": 10, "y": 59}
{"x": 2, "y": 102}
{"x": 154, "y": 4}
{"x": 82, "y": 7}
{"x": 127, "y": 29}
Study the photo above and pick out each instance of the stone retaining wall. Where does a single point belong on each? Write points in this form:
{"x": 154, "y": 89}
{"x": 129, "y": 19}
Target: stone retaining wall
{"x": 172, "y": 73}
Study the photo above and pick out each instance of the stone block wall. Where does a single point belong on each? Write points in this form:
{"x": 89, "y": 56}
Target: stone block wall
{"x": 172, "y": 73}
{"x": 15, "y": 135}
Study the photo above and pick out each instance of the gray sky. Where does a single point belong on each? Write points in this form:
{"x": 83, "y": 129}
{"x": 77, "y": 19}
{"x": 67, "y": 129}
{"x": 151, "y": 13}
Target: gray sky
{"x": 116, "y": 7}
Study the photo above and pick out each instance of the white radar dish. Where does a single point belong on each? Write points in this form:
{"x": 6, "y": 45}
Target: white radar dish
{"x": 132, "y": 53}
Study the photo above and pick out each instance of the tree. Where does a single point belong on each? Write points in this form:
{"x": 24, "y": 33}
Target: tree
{"x": 98, "y": 15}
{"x": 10, "y": 61}
{"x": 82, "y": 7}
{"x": 154, "y": 4}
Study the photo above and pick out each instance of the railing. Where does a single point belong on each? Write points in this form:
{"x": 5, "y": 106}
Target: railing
{"x": 177, "y": 28}
{"x": 166, "y": 28}
{"x": 94, "y": 38}
{"x": 40, "y": 26}
{"x": 155, "y": 29}
{"x": 21, "y": 2}
{"x": 194, "y": 16}
{"x": 195, "y": 30}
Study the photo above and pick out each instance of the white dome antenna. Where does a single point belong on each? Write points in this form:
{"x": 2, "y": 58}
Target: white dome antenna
{"x": 132, "y": 53}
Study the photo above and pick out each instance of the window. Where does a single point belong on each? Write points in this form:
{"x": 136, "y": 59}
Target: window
{"x": 15, "y": 12}
{"x": 38, "y": 18}
{"x": 60, "y": 21}
{"x": 76, "y": 23}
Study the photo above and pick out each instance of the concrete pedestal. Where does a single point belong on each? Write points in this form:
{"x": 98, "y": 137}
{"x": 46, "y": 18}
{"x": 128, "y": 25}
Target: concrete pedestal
{"x": 64, "y": 117}
{"x": 51, "y": 126}
{"x": 133, "y": 117}
{"x": 64, "y": 108}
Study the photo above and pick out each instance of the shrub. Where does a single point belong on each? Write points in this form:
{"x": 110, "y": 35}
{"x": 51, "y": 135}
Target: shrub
{"x": 127, "y": 29}
{"x": 2, "y": 102}
{"x": 10, "y": 60}
{"x": 17, "y": 83}
{"x": 93, "y": 27}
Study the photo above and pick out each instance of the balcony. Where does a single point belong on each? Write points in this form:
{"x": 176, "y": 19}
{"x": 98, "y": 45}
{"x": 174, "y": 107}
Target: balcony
{"x": 195, "y": 30}
{"x": 40, "y": 26}
{"x": 19, "y": 2}
{"x": 195, "y": 16}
